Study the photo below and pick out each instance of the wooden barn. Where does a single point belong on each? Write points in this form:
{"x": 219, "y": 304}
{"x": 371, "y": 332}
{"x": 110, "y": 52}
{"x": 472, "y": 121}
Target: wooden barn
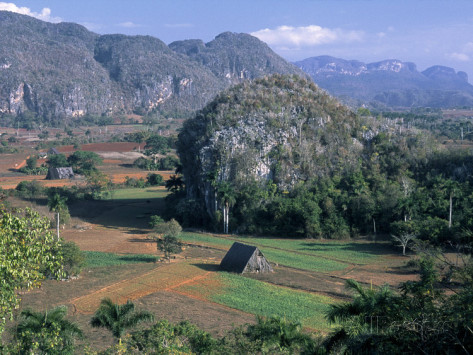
{"x": 243, "y": 258}
{"x": 60, "y": 173}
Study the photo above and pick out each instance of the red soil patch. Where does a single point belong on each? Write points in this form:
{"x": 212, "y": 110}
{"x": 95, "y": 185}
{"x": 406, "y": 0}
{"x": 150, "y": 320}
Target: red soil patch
{"x": 94, "y": 238}
{"x": 162, "y": 278}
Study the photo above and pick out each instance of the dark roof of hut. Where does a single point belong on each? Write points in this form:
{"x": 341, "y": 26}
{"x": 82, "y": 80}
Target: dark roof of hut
{"x": 53, "y": 151}
{"x": 239, "y": 256}
{"x": 60, "y": 173}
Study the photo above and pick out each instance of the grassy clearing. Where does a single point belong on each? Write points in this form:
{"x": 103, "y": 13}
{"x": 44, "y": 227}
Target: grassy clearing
{"x": 99, "y": 259}
{"x": 140, "y": 194}
{"x": 287, "y": 255}
{"x": 260, "y": 298}
{"x": 358, "y": 253}
{"x": 208, "y": 240}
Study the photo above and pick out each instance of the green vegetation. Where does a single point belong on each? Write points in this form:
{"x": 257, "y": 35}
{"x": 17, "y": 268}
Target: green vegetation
{"x": 28, "y": 250}
{"x": 99, "y": 259}
{"x": 421, "y": 318}
{"x": 333, "y": 178}
{"x": 302, "y": 254}
{"x": 118, "y": 318}
{"x": 257, "y": 297}
{"x": 139, "y": 194}
{"x": 45, "y": 333}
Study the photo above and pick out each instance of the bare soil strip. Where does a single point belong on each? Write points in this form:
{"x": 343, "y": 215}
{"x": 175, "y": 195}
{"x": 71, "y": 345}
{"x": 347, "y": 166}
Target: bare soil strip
{"x": 162, "y": 278}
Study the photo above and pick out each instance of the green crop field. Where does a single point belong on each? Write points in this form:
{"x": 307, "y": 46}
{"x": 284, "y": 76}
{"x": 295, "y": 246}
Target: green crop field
{"x": 99, "y": 259}
{"x": 260, "y": 298}
{"x": 139, "y": 194}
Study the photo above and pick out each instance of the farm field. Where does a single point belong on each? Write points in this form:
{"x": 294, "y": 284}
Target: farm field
{"x": 117, "y": 164}
{"x": 123, "y": 262}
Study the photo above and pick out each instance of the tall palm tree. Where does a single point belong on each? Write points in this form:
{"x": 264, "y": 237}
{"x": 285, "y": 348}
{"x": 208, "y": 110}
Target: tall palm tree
{"x": 227, "y": 196}
{"x": 117, "y": 318}
{"x": 48, "y": 332}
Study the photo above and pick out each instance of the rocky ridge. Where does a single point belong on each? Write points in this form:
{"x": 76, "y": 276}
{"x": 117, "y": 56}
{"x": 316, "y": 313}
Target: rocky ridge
{"x": 389, "y": 83}
{"x": 282, "y": 129}
{"x": 62, "y": 71}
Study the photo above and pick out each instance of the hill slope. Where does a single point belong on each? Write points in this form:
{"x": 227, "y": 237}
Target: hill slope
{"x": 280, "y": 128}
{"x": 390, "y": 83}
{"x": 61, "y": 71}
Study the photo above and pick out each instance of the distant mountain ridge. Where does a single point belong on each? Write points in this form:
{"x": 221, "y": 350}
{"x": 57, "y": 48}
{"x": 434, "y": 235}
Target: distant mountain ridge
{"x": 61, "y": 71}
{"x": 389, "y": 83}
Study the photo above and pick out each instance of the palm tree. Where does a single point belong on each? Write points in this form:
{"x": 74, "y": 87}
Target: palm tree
{"x": 117, "y": 318}
{"x": 57, "y": 204}
{"x": 48, "y": 332}
{"x": 227, "y": 198}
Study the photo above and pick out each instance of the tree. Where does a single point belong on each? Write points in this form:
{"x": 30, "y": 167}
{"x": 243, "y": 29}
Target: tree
{"x": 117, "y": 318}
{"x": 226, "y": 195}
{"x": 156, "y": 145}
{"x": 138, "y": 137}
{"x": 404, "y": 240}
{"x": 57, "y": 204}
{"x": 27, "y": 248}
{"x": 174, "y": 183}
{"x": 57, "y": 161}
{"x": 98, "y": 184}
{"x": 168, "y": 243}
{"x": 29, "y": 189}
{"x": 84, "y": 162}
{"x": 48, "y": 332}
{"x": 31, "y": 162}
{"x": 155, "y": 179}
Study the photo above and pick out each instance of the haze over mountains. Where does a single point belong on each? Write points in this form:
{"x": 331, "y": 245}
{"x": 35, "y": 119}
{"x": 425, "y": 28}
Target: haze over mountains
{"x": 63, "y": 70}
{"x": 389, "y": 83}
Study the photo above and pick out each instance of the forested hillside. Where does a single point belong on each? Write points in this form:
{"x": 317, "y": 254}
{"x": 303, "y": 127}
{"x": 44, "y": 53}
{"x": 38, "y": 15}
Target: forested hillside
{"x": 279, "y": 156}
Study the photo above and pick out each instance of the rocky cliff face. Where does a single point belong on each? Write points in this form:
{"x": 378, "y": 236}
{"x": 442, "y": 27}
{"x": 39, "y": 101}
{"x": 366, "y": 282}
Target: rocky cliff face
{"x": 63, "y": 70}
{"x": 281, "y": 128}
{"x": 389, "y": 83}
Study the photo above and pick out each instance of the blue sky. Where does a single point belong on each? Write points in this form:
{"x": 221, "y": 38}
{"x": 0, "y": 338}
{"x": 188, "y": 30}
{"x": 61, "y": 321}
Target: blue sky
{"x": 426, "y": 32}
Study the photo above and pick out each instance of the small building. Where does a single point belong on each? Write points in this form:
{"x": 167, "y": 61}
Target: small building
{"x": 53, "y": 151}
{"x": 243, "y": 258}
{"x": 60, "y": 173}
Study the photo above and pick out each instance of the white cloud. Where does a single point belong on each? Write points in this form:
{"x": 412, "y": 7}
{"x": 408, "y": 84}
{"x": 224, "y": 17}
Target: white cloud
{"x": 308, "y": 36}
{"x": 44, "y": 15}
{"x": 462, "y": 57}
{"x": 128, "y": 24}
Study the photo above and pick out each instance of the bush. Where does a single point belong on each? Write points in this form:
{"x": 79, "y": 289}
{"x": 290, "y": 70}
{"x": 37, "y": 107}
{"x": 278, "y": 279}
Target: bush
{"x": 145, "y": 164}
{"x": 168, "y": 163}
{"x": 155, "y": 180}
{"x": 132, "y": 182}
{"x": 29, "y": 189}
{"x": 73, "y": 258}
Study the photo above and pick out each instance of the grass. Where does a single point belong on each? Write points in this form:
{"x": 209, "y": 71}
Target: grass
{"x": 282, "y": 252}
{"x": 260, "y": 298}
{"x": 139, "y": 194}
{"x": 98, "y": 259}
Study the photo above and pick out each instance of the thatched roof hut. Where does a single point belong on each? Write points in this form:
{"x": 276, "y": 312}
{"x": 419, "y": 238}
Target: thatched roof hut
{"x": 245, "y": 258}
{"x": 60, "y": 173}
{"x": 53, "y": 151}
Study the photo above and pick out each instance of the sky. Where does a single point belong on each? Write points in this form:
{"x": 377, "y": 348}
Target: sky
{"x": 426, "y": 32}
